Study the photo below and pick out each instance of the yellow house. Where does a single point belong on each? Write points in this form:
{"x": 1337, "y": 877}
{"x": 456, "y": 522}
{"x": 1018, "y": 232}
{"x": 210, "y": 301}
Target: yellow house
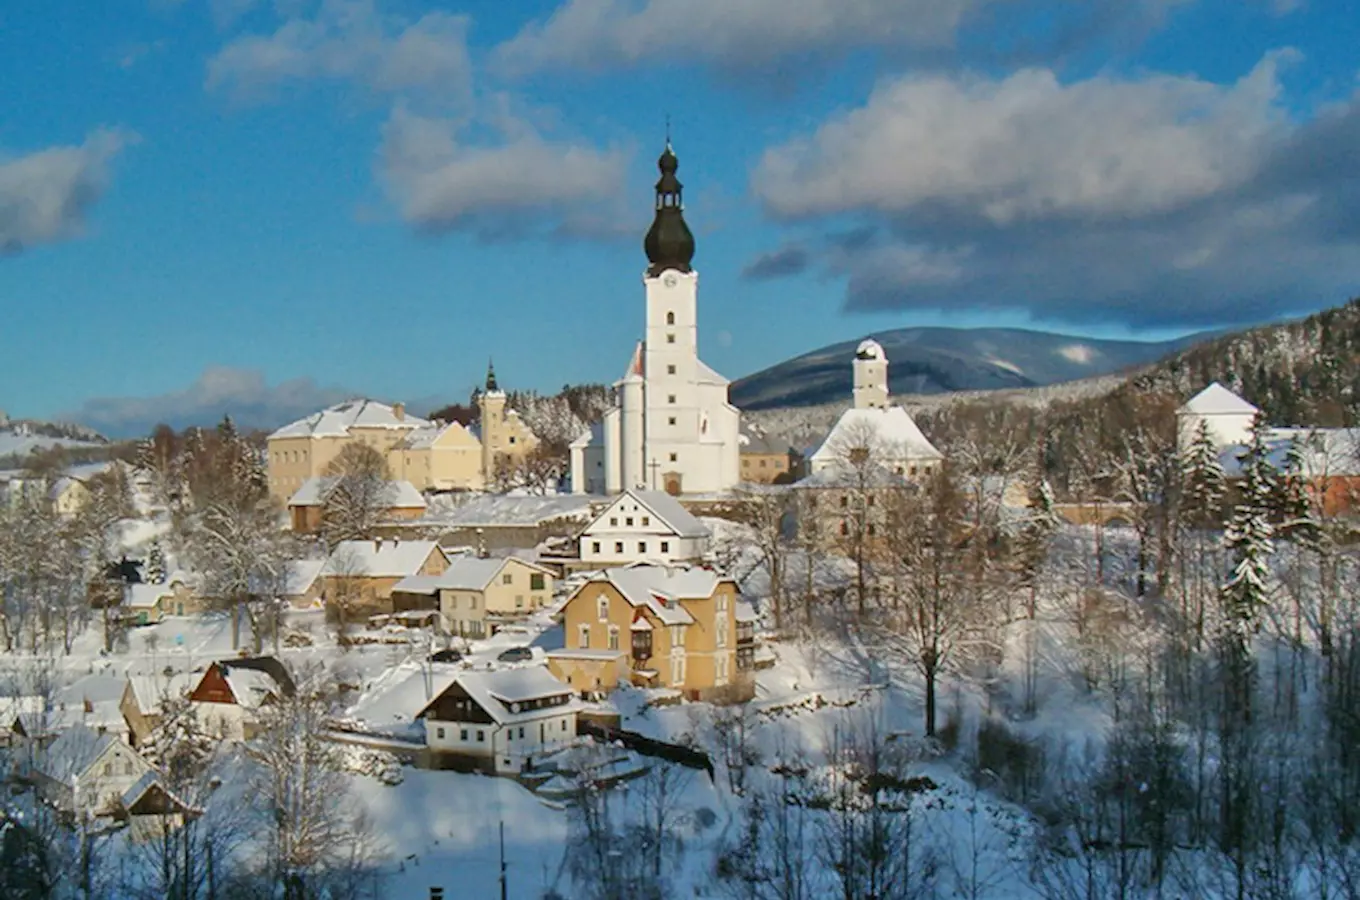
{"x": 476, "y": 596}
{"x": 676, "y": 624}
{"x": 147, "y": 604}
{"x": 430, "y": 455}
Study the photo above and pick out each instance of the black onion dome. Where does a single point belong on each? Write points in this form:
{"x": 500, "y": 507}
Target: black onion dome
{"x": 669, "y": 242}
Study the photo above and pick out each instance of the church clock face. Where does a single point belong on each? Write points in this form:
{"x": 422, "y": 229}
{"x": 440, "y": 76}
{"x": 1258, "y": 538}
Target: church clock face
{"x": 669, "y": 280}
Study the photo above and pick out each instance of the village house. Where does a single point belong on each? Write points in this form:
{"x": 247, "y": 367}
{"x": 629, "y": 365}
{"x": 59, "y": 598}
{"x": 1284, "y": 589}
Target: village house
{"x": 87, "y": 772}
{"x": 360, "y": 575}
{"x": 144, "y": 698}
{"x": 476, "y": 596}
{"x": 499, "y": 721}
{"x": 17, "y": 716}
{"x": 147, "y": 604}
{"x": 152, "y": 810}
{"x": 301, "y": 584}
{"x": 765, "y": 460}
{"x": 228, "y": 697}
{"x": 642, "y": 526}
{"x": 1329, "y": 457}
{"x": 676, "y": 624}
{"x": 306, "y": 508}
{"x": 432, "y": 456}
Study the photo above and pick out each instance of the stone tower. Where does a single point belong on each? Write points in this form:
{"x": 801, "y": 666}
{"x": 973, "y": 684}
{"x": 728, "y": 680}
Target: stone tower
{"x": 871, "y": 376}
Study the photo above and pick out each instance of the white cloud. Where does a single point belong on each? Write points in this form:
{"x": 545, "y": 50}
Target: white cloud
{"x": 1152, "y": 201}
{"x": 349, "y": 40}
{"x": 45, "y": 196}
{"x": 522, "y": 182}
{"x": 219, "y": 390}
{"x": 598, "y": 34}
{"x": 1028, "y": 147}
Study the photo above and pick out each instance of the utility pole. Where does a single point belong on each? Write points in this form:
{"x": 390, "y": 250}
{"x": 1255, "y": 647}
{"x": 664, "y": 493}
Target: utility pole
{"x": 503, "y": 883}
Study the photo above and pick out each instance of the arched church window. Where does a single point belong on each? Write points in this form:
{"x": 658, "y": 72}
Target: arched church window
{"x": 670, "y": 318}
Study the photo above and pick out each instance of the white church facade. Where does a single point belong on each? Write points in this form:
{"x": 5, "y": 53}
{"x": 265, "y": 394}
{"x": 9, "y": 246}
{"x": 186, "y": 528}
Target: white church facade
{"x": 671, "y": 427}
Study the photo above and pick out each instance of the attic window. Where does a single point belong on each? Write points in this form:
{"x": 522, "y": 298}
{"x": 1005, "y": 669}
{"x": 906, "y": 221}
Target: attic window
{"x": 628, "y": 521}
{"x": 646, "y": 520}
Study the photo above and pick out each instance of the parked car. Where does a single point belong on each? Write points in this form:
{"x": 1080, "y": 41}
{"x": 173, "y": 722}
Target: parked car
{"x": 447, "y": 655}
{"x": 516, "y": 654}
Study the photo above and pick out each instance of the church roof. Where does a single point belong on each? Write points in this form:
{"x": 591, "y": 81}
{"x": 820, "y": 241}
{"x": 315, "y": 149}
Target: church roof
{"x": 1218, "y": 400}
{"x": 669, "y": 243}
{"x": 870, "y": 349}
{"x": 892, "y": 433}
{"x": 706, "y": 375}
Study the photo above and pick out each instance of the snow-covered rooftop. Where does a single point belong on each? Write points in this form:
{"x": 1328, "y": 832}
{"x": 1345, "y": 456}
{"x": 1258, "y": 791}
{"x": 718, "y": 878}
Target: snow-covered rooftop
{"x": 72, "y": 753}
{"x": 668, "y": 510}
{"x": 870, "y": 349}
{"x": 337, "y": 420}
{"x": 495, "y": 691}
{"x": 379, "y": 558}
{"x": 1323, "y": 452}
{"x": 1217, "y": 400}
{"x": 299, "y": 575}
{"x": 660, "y": 587}
{"x": 149, "y": 691}
{"x": 508, "y": 509}
{"x": 396, "y": 494}
{"x": 889, "y": 433}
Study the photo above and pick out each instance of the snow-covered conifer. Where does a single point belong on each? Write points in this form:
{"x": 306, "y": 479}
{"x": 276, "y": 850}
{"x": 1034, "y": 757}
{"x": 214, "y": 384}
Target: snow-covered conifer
{"x": 155, "y": 564}
{"x": 1202, "y": 478}
{"x": 1249, "y": 536}
{"x": 1294, "y": 513}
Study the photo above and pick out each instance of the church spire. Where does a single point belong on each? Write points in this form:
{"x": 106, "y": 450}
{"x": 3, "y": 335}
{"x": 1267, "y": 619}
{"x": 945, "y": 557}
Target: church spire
{"x": 669, "y": 242}
{"x": 490, "y": 376}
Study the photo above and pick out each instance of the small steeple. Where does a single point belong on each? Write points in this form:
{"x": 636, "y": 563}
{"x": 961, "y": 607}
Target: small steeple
{"x": 669, "y": 243}
{"x": 490, "y": 376}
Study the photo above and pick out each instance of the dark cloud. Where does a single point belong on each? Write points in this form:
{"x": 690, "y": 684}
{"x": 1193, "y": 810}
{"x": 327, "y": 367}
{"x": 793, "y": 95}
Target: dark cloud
{"x": 780, "y": 263}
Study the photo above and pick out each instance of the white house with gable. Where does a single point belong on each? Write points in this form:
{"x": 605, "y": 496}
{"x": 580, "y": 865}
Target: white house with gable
{"x": 644, "y": 526}
{"x": 87, "y": 772}
{"x": 887, "y": 433}
{"x": 501, "y": 720}
{"x": 672, "y": 428}
{"x": 1227, "y": 416}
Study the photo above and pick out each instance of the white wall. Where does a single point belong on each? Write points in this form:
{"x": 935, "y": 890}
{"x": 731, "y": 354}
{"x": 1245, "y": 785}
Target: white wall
{"x": 559, "y": 729}
{"x": 1226, "y": 429}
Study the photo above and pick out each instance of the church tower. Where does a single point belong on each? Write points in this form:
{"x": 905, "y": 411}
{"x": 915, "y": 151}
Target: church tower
{"x": 674, "y": 422}
{"x": 871, "y": 376}
{"x": 491, "y": 412}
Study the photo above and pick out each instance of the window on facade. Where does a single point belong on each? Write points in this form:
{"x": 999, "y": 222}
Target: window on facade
{"x": 472, "y": 603}
{"x": 602, "y": 607}
{"x": 670, "y": 339}
{"x": 762, "y": 463}
{"x": 646, "y": 520}
{"x": 594, "y": 546}
{"x": 670, "y": 369}
{"x": 439, "y": 733}
{"x": 536, "y": 581}
{"x": 628, "y": 521}
{"x": 481, "y": 736}
{"x": 670, "y": 420}
{"x": 720, "y": 669}
{"x": 462, "y": 734}
{"x": 670, "y": 398}
{"x": 564, "y": 724}
{"x": 642, "y": 546}
{"x": 521, "y": 732}
{"x": 665, "y": 546}
{"x": 509, "y": 734}
{"x": 670, "y": 318}
{"x": 618, "y": 546}
{"x": 677, "y": 635}
{"x": 507, "y": 578}
{"x": 512, "y": 438}
{"x": 675, "y": 457}
{"x": 869, "y": 500}
{"x": 613, "y": 637}
{"x": 583, "y": 637}
{"x": 614, "y": 520}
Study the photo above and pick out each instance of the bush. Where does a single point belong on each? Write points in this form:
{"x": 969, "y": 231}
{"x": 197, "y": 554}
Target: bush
{"x": 1017, "y": 763}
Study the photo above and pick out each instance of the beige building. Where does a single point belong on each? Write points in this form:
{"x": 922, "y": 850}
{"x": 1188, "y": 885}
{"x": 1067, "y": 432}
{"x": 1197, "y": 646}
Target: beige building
{"x": 475, "y": 596}
{"x": 306, "y": 508}
{"x": 764, "y": 460}
{"x": 433, "y": 456}
{"x": 677, "y": 626}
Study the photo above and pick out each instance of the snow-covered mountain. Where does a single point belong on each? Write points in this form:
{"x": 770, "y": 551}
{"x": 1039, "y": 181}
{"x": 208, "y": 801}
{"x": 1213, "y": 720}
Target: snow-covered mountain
{"x": 943, "y": 360}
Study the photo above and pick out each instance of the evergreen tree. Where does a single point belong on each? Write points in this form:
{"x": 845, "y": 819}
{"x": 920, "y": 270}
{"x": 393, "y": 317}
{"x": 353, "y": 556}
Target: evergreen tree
{"x": 1294, "y": 513}
{"x": 1203, "y": 482}
{"x": 155, "y": 564}
{"x": 1249, "y": 536}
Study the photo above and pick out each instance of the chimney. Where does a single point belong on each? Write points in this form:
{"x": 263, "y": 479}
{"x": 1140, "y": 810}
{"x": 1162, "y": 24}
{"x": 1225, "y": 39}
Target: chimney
{"x": 399, "y": 410}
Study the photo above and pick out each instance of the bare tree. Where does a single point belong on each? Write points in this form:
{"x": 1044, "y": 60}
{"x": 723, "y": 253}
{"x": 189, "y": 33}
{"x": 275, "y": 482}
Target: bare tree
{"x": 242, "y": 556}
{"x": 767, "y": 511}
{"x": 358, "y": 494}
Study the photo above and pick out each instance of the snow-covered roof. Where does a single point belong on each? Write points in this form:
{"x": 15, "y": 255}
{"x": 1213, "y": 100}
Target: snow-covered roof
{"x": 299, "y": 575}
{"x": 149, "y": 781}
{"x": 251, "y": 687}
{"x": 845, "y": 475}
{"x": 424, "y": 437}
{"x": 337, "y": 420}
{"x": 149, "y": 691}
{"x": 496, "y": 690}
{"x": 317, "y": 490}
{"x": 145, "y": 596}
{"x": 659, "y": 588}
{"x": 12, "y": 708}
{"x": 750, "y": 440}
{"x": 890, "y": 433}
{"x": 745, "y": 612}
{"x": 72, "y": 753}
{"x": 1217, "y": 400}
{"x": 1323, "y": 452}
{"x": 667, "y": 510}
{"x": 705, "y": 374}
{"x": 870, "y": 349}
{"x": 470, "y": 573}
{"x": 417, "y": 584}
{"x": 493, "y": 510}
{"x": 379, "y": 558}
{"x": 585, "y": 653}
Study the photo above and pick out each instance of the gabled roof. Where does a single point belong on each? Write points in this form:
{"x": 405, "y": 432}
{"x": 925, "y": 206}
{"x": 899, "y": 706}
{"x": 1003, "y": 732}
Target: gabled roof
{"x": 337, "y": 420}
{"x": 299, "y": 575}
{"x": 379, "y": 559}
{"x": 659, "y": 588}
{"x": 1218, "y": 400}
{"x": 73, "y": 752}
{"x": 14, "y": 708}
{"x": 148, "y": 783}
{"x": 666, "y": 509}
{"x": 465, "y": 573}
{"x": 255, "y": 680}
{"x": 145, "y": 596}
{"x": 891, "y": 433}
{"x": 149, "y": 691}
{"x": 495, "y": 691}
{"x": 396, "y": 495}
{"x": 428, "y": 435}
{"x": 751, "y": 440}
{"x": 1323, "y": 452}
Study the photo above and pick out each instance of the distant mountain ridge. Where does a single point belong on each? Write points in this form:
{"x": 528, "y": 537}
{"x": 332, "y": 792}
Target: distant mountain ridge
{"x": 942, "y": 360}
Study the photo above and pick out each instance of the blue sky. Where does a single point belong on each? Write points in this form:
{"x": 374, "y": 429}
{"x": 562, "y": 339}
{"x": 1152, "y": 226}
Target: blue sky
{"x": 269, "y": 204}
